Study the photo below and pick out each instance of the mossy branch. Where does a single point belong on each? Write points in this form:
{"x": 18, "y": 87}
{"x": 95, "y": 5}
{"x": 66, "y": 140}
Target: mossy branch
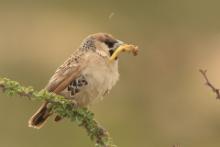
{"x": 64, "y": 107}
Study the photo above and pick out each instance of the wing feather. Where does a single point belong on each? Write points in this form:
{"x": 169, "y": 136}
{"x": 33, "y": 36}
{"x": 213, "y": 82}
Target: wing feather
{"x": 65, "y": 74}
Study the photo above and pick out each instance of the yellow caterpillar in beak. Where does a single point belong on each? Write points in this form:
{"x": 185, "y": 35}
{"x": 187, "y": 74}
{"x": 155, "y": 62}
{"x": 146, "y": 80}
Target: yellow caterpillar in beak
{"x": 124, "y": 48}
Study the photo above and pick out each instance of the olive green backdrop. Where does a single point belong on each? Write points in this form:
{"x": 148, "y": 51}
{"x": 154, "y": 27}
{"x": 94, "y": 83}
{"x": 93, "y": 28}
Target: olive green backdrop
{"x": 160, "y": 100}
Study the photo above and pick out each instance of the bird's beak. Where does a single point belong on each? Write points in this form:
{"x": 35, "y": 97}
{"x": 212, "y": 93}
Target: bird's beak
{"x": 120, "y": 43}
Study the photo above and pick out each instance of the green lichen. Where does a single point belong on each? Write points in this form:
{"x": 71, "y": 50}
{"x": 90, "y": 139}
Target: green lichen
{"x": 63, "y": 107}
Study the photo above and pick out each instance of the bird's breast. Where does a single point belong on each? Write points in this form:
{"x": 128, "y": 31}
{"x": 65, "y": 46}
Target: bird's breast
{"x": 101, "y": 76}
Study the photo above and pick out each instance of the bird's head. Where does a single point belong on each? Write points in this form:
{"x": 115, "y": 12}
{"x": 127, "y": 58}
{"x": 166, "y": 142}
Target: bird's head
{"x": 103, "y": 43}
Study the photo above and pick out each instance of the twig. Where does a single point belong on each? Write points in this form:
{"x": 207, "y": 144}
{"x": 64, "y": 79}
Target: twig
{"x": 176, "y": 145}
{"x": 62, "y": 106}
{"x": 209, "y": 84}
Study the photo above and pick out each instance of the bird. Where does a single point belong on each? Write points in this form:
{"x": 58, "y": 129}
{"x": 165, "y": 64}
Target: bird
{"x": 85, "y": 77}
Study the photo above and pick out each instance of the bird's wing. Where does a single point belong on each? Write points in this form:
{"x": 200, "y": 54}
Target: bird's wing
{"x": 66, "y": 73}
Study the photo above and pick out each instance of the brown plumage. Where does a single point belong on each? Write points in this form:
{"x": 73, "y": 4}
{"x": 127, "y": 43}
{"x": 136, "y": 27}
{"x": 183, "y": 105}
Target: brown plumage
{"x": 85, "y": 77}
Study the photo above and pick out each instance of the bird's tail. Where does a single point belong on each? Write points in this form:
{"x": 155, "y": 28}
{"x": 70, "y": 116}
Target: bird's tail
{"x": 40, "y": 117}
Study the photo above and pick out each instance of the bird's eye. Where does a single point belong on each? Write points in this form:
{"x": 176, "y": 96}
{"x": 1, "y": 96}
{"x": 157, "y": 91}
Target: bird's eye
{"x": 110, "y": 43}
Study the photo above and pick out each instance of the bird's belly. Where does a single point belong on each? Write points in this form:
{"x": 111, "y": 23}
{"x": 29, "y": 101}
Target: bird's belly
{"x": 101, "y": 79}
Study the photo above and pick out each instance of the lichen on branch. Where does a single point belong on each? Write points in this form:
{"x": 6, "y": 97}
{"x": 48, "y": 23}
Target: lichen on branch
{"x": 63, "y": 107}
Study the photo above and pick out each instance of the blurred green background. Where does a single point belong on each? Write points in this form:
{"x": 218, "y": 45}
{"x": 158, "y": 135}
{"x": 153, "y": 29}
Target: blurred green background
{"x": 160, "y": 100}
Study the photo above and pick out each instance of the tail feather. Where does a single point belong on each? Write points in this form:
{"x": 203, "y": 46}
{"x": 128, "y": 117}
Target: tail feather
{"x": 40, "y": 117}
